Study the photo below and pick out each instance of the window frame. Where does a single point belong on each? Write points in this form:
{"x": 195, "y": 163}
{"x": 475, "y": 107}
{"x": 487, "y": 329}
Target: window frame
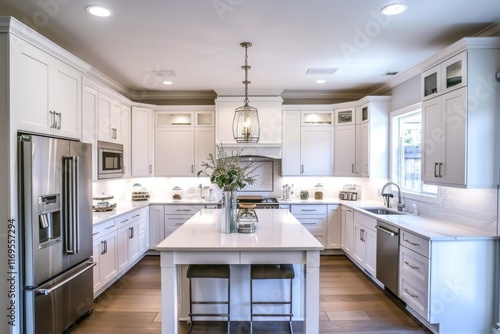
{"x": 393, "y": 152}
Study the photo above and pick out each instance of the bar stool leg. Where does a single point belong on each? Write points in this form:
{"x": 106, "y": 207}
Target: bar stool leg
{"x": 291, "y": 296}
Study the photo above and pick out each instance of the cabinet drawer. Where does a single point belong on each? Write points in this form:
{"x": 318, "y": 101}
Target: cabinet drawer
{"x": 414, "y": 297}
{"x": 305, "y": 209}
{"x": 414, "y": 267}
{"x": 103, "y": 228}
{"x": 312, "y": 223}
{"x": 415, "y": 243}
{"x": 182, "y": 209}
{"x": 126, "y": 219}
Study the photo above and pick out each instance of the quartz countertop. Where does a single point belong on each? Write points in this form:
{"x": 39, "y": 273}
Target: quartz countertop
{"x": 276, "y": 230}
{"x": 427, "y": 227}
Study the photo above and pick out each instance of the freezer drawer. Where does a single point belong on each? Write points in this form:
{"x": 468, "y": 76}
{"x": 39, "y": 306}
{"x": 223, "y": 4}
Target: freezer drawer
{"x": 54, "y": 306}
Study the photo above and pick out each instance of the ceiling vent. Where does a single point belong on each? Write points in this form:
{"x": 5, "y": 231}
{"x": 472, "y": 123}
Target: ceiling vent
{"x": 164, "y": 73}
{"x": 321, "y": 71}
{"x": 389, "y": 74}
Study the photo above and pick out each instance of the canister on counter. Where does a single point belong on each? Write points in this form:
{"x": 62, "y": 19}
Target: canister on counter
{"x": 318, "y": 191}
{"x": 177, "y": 193}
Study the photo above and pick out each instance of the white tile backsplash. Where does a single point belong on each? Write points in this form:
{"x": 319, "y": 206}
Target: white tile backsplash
{"x": 475, "y": 208}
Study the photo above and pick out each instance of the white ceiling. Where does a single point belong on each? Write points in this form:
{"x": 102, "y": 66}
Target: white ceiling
{"x": 200, "y": 40}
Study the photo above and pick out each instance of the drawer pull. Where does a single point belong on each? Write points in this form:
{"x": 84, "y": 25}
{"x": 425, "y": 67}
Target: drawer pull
{"x": 308, "y": 210}
{"x": 412, "y": 267}
{"x": 107, "y": 228}
{"x": 96, "y": 233}
{"x": 411, "y": 294}
{"x": 137, "y": 215}
{"x": 412, "y": 243}
{"x": 124, "y": 221}
{"x": 183, "y": 210}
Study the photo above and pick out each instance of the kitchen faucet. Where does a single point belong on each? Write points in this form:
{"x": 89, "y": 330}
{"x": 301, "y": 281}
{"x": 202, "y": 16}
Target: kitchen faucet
{"x": 387, "y": 196}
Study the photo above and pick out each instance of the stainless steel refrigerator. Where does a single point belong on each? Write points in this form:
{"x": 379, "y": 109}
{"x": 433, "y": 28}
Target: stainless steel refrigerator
{"x": 55, "y": 180}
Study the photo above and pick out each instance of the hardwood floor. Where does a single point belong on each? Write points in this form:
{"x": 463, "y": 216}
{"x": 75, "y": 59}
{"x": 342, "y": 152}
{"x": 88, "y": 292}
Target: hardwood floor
{"x": 349, "y": 303}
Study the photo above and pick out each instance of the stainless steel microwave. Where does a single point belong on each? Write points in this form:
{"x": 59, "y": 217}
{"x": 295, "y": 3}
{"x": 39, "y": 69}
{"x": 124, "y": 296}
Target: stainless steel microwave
{"x": 110, "y": 160}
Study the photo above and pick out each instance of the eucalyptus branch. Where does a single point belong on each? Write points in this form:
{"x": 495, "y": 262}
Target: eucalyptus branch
{"x": 227, "y": 171}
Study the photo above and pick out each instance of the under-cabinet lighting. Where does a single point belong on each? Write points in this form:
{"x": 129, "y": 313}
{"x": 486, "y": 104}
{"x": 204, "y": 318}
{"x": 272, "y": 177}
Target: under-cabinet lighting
{"x": 394, "y": 9}
{"x": 98, "y": 11}
{"x": 167, "y": 82}
{"x": 320, "y": 81}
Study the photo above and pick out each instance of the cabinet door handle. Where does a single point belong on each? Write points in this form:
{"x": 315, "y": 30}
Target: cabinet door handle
{"x": 412, "y": 243}
{"x": 302, "y": 169}
{"x": 103, "y": 248}
{"x": 440, "y": 173}
{"x": 412, "y": 267}
{"x": 59, "y": 115}
{"x": 192, "y": 169}
{"x": 366, "y": 168}
{"x": 53, "y": 119}
{"x": 150, "y": 169}
{"x": 131, "y": 232}
{"x": 411, "y": 294}
{"x": 352, "y": 168}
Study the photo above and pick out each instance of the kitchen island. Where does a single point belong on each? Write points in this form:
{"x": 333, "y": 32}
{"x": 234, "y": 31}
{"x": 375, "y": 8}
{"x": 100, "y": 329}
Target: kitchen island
{"x": 279, "y": 238}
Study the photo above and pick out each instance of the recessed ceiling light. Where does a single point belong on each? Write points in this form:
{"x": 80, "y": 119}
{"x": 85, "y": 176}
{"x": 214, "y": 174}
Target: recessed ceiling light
{"x": 394, "y": 9}
{"x": 320, "y": 81}
{"x": 167, "y": 82}
{"x": 98, "y": 11}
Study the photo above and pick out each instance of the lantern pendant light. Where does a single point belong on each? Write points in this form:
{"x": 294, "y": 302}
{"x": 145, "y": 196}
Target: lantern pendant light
{"x": 246, "y": 127}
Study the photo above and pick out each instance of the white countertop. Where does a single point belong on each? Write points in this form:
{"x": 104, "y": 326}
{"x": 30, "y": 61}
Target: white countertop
{"x": 427, "y": 227}
{"x": 276, "y": 230}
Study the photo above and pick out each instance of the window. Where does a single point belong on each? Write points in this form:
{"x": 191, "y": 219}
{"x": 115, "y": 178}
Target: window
{"x": 406, "y": 133}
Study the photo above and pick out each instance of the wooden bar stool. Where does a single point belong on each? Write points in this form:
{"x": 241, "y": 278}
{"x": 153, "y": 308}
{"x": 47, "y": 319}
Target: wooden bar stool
{"x": 209, "y": 271}
{"x": 271, "y": 271}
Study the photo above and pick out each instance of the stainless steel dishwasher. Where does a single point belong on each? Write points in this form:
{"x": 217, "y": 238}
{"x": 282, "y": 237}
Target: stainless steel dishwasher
{"x": 388, "y": 255}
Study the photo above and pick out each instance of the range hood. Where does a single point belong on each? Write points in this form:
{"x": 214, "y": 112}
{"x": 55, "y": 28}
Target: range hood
{"x": 272, "y": 151}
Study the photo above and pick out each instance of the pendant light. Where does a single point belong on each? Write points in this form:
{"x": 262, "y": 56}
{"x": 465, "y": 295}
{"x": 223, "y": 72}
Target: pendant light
{"x": 246, "y": 128}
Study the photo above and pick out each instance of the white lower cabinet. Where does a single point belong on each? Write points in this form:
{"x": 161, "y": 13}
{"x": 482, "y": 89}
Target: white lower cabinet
{"x": 128, "y": 239}
{"x": 347, "y": 230}
{"x": 314, "y": 218}
{"x": 156, "y": 225}
{"x": 365, "y": 242}
{"x": 176, "y": 215}
{"x": 144, "y": 230}
{"x": 448, "y": 284}
{"x": 333, "y": 240}
{"x": 117, "y": 245}
{"x": 104, "y": 254}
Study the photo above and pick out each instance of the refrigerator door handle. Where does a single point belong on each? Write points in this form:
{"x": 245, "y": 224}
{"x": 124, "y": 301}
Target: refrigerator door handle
{"x": 71, "y": 204}
{"x": 47, "y": 292}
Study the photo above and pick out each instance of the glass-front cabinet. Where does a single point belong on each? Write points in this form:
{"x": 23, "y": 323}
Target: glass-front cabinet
{"x": 447, "y": 76}
{"x": 345, "y": 116}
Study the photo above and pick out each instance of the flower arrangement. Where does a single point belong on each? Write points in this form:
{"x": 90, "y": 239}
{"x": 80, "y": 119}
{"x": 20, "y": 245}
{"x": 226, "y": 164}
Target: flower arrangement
{"x": 226, "y": 170}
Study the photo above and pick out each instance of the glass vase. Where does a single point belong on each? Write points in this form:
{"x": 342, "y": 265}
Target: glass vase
{"x": 228, "y": 212}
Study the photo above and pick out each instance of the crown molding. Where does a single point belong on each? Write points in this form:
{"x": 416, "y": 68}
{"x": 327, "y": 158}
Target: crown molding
{"x": 11, "y": 25}
{"x": 490, "y": 31}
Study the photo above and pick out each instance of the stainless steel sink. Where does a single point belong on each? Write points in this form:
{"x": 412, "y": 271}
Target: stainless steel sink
{"x": 383, "y": 211}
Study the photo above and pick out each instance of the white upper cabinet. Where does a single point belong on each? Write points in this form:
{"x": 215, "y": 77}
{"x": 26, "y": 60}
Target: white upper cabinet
{"x": 361, "y": 137}
{"x": 142, "y": 142}
{"x": 46, "y": 92}
{"x": 445, "y": 77}
{"x": 112, "y": 116}
{"x": 307, "y": 141}
{"x": 460, "y": 124}
{"x": 183, "y": 140}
